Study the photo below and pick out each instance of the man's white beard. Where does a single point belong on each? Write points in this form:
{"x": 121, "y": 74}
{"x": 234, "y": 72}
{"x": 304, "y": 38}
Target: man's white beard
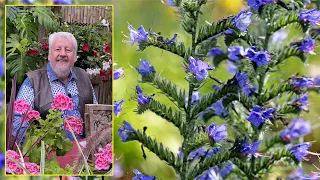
{"x": 62, "y": 71}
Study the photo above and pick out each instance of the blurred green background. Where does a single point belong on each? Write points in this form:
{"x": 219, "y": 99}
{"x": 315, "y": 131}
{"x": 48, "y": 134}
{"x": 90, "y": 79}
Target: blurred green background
{"x": 162, "y": 18}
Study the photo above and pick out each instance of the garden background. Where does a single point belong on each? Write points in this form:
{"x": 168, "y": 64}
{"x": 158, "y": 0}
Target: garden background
{"x": 160, "y": 17}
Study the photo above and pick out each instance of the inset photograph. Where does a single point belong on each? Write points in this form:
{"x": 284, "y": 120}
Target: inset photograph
{"x": 59, "y": 90}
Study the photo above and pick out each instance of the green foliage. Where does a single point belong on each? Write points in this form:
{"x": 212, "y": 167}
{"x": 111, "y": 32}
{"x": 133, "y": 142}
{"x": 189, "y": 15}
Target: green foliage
{"x": 96, "y": 36}
{"x": 44, "y": 16}
{"x": 269, "y": 19}
{"x": 163, "y": 111}
{"x": 50, "y": 132}
{"x": 169, "y": 89}
{"x": 157, "y": 148}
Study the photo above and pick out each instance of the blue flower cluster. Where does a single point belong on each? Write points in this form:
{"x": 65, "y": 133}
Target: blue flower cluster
{"x": 258, "y": 115}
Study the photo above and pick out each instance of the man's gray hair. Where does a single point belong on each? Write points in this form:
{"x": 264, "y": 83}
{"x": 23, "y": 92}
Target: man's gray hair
{"x": 66, "y": 35}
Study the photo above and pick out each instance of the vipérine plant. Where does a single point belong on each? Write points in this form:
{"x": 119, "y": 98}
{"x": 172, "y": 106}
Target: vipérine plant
{"x": 249, "y": 102}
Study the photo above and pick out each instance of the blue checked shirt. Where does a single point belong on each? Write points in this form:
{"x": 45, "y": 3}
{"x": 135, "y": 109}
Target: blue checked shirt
{"x": 26, "y": 92}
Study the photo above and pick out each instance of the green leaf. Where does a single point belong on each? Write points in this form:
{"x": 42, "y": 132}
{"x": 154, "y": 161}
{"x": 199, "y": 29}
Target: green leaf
{"x": 44, "y": 16}
{"x": 209, "y": 31}
{"x": 170, "y": 89}
{"x": 163, "y": 153}
{"x": 13, "y": 11}
{"x": 210, "y": 98}
{"x": 35, "y": 155}
{"x": 15, "y": 43}
{"x": 162, "y": 110}
{"x": 27, "y": 27}
{"x": 177, "y": 48}
{"x": 285, "y": 19}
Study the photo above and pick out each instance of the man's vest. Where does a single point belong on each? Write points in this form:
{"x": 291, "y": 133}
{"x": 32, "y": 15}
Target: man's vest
{"x": 43, "y": 97}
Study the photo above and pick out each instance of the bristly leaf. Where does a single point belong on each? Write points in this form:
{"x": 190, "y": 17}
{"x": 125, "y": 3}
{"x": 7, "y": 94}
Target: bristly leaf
{"x": 275, "y": 91}
{"x": 210, "y": 98}
{"x": 270, "y": 142}
{"x": 162, "y": 110}
{"x": 210, "y": 162}
{"x": 177, "y": 48}
{"x": 267, "y": 162}
{"x": 315, "y": 33}
{"x": 214, "y": 29}
{"x": 170, "y": 90}
{"x": 247, "y": 37}
{"x": 282, "y": 21}
{"x": 289, "y": 52}
{"x": 163, "y": 153}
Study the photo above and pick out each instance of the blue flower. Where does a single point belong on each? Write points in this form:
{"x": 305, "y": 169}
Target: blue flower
{"x": 296, "y": 129}
{"x": 303, "y": 82}
{"x": 62, "y": 1}
{"x": 2, "y": 70}
{"x": 242, "y": 20}
{"x": 243, "y": 83}
{"x": 1, "y": 160}
{"x": 307, "y": 45}
{"x": 216, "y": 87}
{"x": 279, "y": 36}
{"x": 219, "y": 109}
{"x": 236, "y": 52}
{"x": 172, "y": 41}
{"x": 195, "y": 97}
{"x": 140, "y": 176}
{"x": 209, "y": 174}
{"x": 300, "y": 151}
{"x": 229, "y": 32}
{"x": 180, "y": 154}
{"x": 118, "y": 73}
{"x": 125, "y": 130}
{"x": 261, "y": 58}
{"x": 246, "y": 148}
{"x": 312, "y": 16}
{"x": 231, "y": 68}
{"x": 250, "y": 52}
{"x": 255, "y": 4}
{"x": 27, "y": 1}
{"x": 317, "y": 81}
{"x": 296, "y": 175}
{"x": 199, "y": 68}
{"x": 307, "y": 1}
{"x": 142, "y": 100}
{"x": 256, "y": 116}
{"x": 212, "y": 152}
{"x": 138, "y": 36}
{"x": 215, "y": 52}
{"x": 301, "y": 102}
{"x": 118, "y": 107}
{"x": 227, "y": 168}
{"x": 268, "y": 113}
{"x": 170, "y": 2}
{"x": 217, "y": 133}
{"x": 145, "y": 68}
{"x": 196, "y": 154}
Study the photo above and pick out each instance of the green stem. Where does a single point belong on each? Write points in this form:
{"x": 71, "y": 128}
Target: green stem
{"x": 191, "y": 89}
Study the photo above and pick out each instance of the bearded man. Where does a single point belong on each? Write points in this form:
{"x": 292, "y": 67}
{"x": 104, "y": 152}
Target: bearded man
{"x": 58, "y": 76}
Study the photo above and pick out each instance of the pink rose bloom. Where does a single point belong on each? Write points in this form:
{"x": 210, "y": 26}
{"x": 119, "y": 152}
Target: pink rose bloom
{"x": 62, "y": 102}
{"x": 21, "y": 106}
{"x": 75, "y": 124}
{"x": 33, "y": 168}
